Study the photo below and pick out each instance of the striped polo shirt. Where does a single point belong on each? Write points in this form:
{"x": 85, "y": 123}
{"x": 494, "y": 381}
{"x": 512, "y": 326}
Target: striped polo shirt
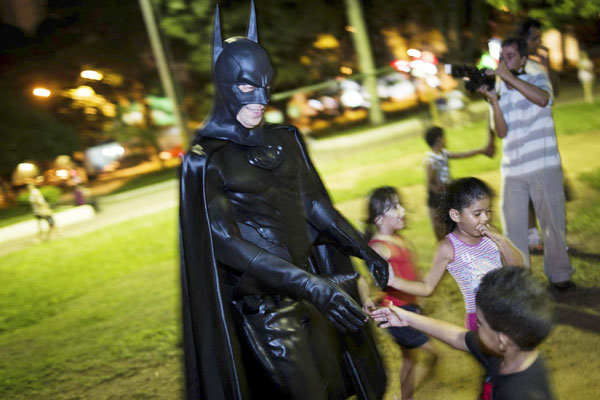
{"x": 530, "y": 143}
{"x": 470, "y": 263}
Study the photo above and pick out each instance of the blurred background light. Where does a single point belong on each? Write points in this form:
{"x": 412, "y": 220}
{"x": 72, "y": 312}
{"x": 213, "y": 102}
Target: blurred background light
{"x": 91, "y": 74}
{"x": 113, "y": 150}
{"x": 494, "y": 47}
{"x": 41, "y": 92}
{"x": 83, "y": 91}
{"x": 326, "y": 41}
{"x": 352, "y": 98}
{"x": 25, "y": 171}
{"x": 414, "y": 53}
{"x": 62, "y": 173}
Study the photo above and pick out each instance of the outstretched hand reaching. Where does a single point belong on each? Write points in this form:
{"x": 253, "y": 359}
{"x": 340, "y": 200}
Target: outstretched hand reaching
{"x": 389, "y": 316}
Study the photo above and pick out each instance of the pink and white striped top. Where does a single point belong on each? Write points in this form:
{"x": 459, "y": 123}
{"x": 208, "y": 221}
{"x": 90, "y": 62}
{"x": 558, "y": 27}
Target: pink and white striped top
{"x": 470, "y": 263}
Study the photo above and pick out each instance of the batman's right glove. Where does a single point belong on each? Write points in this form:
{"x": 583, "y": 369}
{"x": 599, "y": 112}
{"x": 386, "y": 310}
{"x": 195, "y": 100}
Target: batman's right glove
{"x": 278, "y": 276}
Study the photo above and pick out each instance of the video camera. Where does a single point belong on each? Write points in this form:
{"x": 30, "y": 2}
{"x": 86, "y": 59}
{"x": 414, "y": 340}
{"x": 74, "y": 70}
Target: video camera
{"x": 475, "y": 77}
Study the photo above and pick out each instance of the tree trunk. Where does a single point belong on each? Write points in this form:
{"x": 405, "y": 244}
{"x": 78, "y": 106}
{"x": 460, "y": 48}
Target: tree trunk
{"x": 366, "y": 64}
{"x": 454, "y": 32}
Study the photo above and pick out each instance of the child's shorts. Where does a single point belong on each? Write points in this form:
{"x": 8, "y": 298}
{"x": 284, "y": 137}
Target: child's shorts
{"x": 408, "y": 337}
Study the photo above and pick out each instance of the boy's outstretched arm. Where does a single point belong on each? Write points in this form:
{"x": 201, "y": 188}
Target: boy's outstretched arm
{"x": 466, "y": 154}
{"x": 448, "y": 333}
{"x": 487, "y": 150}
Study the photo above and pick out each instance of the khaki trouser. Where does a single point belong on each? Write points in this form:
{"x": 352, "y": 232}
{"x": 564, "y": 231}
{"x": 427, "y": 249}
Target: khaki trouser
{"x": 546, "y": 191}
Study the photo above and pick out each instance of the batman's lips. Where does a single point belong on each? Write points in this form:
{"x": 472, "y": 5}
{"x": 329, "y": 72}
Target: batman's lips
{"x": 255, "y": 111}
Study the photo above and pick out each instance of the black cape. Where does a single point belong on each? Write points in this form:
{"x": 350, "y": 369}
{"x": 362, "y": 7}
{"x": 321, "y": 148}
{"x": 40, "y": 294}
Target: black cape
{"x": 213, "y": 361}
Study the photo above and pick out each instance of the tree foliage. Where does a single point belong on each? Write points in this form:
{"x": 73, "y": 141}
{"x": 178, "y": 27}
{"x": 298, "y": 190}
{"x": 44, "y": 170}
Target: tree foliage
{"x": 30, "y": 133}
{"x": 287, "y": 29}
{"x": 555, "y": 11}
{"x": 75, "y": 36}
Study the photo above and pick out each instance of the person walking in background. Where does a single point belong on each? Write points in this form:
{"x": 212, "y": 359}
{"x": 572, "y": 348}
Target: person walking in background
{"x": 585, "y": 73}
{"x": 469, "y": 251}
{"x": 42, "y": 211}
{"x": 531, "y": 167}
{"x": 385, "y": 220}
{"x": 537, "y": 54}
{"x": 438, "y": 174}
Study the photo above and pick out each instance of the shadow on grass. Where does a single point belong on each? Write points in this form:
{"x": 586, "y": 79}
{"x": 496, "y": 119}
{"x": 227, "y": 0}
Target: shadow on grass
{"x": 583, "y": 255}
{"x": 576, "y": 309}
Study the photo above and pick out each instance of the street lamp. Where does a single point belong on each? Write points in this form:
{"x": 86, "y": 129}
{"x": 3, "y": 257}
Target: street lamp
{"x": 92, "y": 75}
{"x": 24, "y": 172}
{"x": 41, "y": 92}
{"x": 83, "y": 92}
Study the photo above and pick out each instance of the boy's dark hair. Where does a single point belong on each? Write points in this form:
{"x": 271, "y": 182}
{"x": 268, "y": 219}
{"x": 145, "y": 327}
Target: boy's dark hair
{"x": 380, "y": 201}
{"x": 461, "y": 194}
{"x": 519, "y": 41}
{"x": 515, "y": 303}
{"x": 527, "y": 25}
{"x": 433, "y": 134}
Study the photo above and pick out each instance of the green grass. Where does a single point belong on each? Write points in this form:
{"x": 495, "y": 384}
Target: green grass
{"x": 399, "y": 161}
{"x": 22, "y": 212}
{"x": 82, "y": 313}
{"x": 96, "y": 316}
{"x": 571, "y": 118}
{"x": 592, "y": 179}
{"x": 148, "y": 179}
{"x": 12, "y": 215}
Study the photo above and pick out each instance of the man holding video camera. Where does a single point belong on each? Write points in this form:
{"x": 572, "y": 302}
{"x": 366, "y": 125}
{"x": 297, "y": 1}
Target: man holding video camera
{"x": 531, "y": 165}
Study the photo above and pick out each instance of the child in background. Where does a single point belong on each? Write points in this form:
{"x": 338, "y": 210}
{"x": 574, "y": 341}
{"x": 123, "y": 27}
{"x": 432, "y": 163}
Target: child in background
{"x": 514, "y": 316}
{"x": 438, "y": 174}
{"x": 470, "y": 250}
{"x": 41, "y": 210}
{"x": 386, "y": 218}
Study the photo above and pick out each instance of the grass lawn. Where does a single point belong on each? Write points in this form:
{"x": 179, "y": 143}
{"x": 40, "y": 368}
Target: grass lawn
{"x": 96, "y": 316}
{"x": 21, "y": 212}
{"x": 93, "y": 316}
{"x": 162, "y": 175}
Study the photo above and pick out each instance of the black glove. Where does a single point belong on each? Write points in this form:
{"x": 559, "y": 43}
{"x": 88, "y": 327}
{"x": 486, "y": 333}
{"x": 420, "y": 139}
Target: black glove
{"x": 335, "y": 304}
{"x": 347, "y": 282}
{"x": 278, "y": 276}
{"x": 377, "y": 265}
{"x": 347, "y": 238}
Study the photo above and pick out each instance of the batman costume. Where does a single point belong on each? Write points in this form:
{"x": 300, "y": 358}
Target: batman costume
{"x": 267, "y": 291}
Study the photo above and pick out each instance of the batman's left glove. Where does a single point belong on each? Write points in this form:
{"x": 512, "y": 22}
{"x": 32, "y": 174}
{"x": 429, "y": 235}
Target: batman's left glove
{"x": 377, "y": 265}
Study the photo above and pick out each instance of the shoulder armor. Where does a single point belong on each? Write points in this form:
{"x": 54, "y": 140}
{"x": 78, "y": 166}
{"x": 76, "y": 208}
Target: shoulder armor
{"x": 205, "y": 146}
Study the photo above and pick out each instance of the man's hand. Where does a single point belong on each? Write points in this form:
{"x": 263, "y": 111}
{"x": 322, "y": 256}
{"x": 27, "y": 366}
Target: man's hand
{"x": 390, "y": 316}
{"x": 335, "y": 304}
{"x": 502, "y": 71}
{"x": 491, "y": 95}
{"x": 277, "y": 276}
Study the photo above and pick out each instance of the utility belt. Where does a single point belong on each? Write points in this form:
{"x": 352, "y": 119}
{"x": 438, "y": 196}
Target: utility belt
{"x": 258, "y": 304}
